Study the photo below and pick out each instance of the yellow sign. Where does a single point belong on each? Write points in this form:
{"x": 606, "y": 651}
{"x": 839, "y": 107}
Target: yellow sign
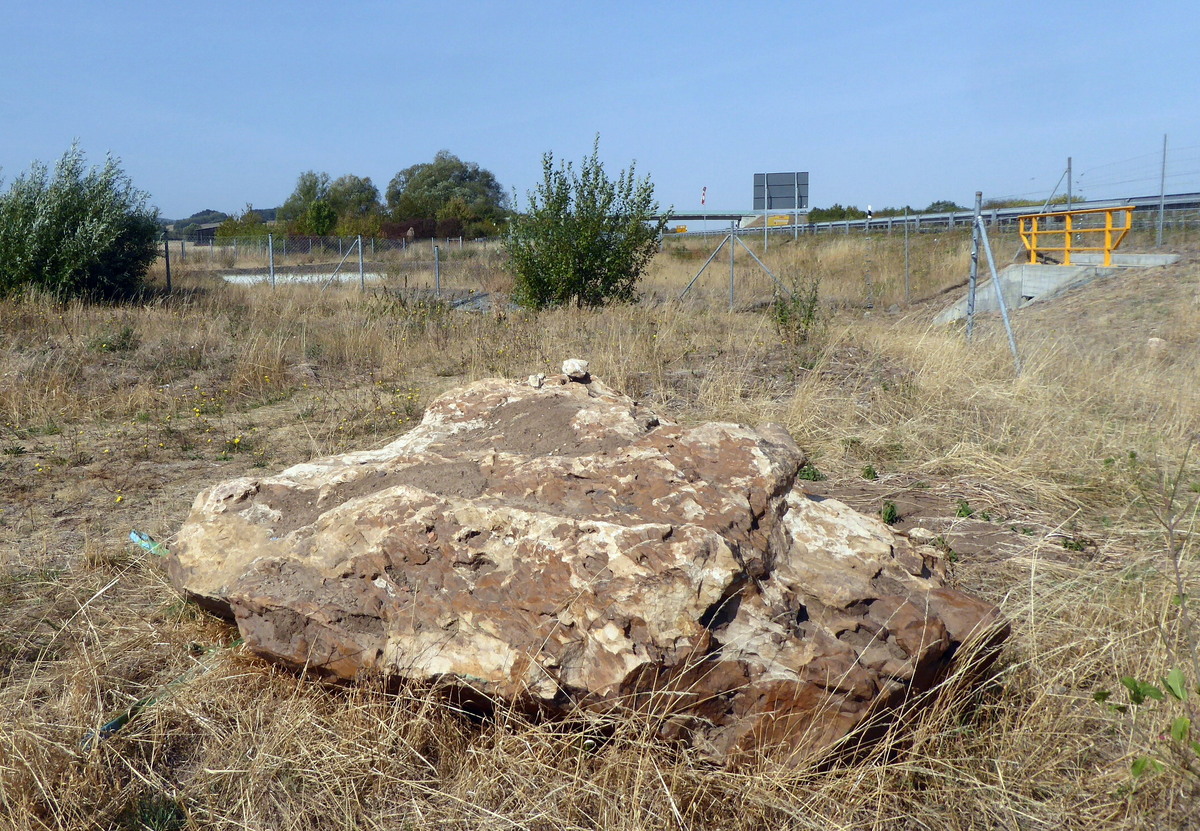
{"x": 681, "y": 229}
{"x": 779, "y": 219}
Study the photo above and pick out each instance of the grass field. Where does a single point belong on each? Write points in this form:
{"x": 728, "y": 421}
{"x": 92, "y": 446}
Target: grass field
{"x": 113, "y": 417}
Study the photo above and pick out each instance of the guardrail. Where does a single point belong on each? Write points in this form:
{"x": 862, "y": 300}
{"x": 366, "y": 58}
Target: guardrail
{"x": 1181, "y": 210}
{"x": 1072, "y": 229}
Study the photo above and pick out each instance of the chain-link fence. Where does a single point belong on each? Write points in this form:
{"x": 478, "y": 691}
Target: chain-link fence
{"x": 451, "y": 267}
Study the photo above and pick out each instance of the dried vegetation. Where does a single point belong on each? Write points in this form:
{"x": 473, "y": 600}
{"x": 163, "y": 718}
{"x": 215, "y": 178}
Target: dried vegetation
{"x": 113, "y": 417}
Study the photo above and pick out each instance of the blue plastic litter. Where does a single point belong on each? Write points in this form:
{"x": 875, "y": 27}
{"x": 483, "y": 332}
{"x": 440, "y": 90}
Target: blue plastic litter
{"x": 147, "y": 542}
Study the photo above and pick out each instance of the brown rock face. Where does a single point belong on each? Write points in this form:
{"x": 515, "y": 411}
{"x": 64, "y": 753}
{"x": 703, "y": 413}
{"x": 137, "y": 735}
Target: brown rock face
{"x": 558, "y": 546}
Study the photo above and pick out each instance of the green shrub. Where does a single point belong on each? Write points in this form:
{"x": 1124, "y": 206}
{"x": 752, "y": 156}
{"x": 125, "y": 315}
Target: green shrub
{"x": 797, "y": 316}
{"x": 888, "y": 512}
{"x": 76, "y": 232}
{"x": 809, "y": 473}
{"x": 585, "y": 239}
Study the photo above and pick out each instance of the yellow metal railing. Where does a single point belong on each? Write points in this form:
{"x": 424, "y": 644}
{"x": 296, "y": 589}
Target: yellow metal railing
{"x": 1072, "y": 229}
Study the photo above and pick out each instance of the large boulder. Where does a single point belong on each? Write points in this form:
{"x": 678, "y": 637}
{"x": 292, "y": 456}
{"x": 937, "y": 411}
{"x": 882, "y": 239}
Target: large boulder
{"x": 555, "y": 546}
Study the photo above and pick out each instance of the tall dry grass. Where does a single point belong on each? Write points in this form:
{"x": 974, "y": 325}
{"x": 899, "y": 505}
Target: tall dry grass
{"x": 115, "y": 416}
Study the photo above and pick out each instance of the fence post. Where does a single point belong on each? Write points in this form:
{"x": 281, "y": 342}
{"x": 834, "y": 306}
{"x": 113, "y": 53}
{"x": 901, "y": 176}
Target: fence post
{"x": 973, "y": 281}
{"x": 732, "y": 229}
{"x": 362, "y": 278}
{"x": 1012, "y": 339}
{"x": 907, "y": 282}
{"x": 271, "y": 257}
{"x": 437, "y": 273}
{"x": 167, "y": 254}
{"x": 1162, "y": 195}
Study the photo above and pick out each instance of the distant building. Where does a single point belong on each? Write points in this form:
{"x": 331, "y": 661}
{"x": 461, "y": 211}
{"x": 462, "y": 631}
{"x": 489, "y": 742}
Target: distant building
{"x": 204, "y": 234}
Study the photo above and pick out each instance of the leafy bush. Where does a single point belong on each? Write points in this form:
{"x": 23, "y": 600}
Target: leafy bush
{"x": 585, "y": 238}
{"x": 76, "y": 232}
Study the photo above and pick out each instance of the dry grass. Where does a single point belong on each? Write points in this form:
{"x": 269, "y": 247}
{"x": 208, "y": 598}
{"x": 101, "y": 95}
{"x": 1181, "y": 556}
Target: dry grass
{"x": 113, "y": 417}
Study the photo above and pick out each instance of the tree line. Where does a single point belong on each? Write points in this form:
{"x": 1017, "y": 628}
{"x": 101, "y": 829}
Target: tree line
{"x": 447, "y": 197}
{"x": 840, "y": 213}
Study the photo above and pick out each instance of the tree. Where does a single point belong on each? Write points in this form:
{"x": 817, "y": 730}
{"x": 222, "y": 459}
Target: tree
{"x": 310, "y": 186}
{"x": 249, "y": 223}
{"x": 584, "y": 238}
{"x": 320, "y": 218}
{"x": 353, "y": 197}
{"x": 78, "y": 232}
{"x": 424, "y": 191}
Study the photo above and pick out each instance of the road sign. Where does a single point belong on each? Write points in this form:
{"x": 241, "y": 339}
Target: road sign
{"x": 780, "y": 191}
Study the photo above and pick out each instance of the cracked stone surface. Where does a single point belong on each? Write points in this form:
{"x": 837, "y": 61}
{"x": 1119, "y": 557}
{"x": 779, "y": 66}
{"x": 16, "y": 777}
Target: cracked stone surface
{"x": 559, "y": 546}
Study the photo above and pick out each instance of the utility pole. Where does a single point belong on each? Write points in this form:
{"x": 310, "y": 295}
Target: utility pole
{"x": 1068, "y": 183}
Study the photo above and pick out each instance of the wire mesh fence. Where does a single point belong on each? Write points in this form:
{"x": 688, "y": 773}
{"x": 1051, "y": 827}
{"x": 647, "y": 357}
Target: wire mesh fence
{"x": 450, "y": 265}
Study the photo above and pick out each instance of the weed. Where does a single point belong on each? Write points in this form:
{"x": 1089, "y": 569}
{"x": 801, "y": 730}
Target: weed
{"x": 1169, "y": 744}
{"x": 153, "y": 812}
{"x": 943, "y": 545}
{"x": 964, "y": 509}
{"x": 888, "y": 512}
{"x": 868, "y": 472}
{"x": 809, "y": 473}
{"x": 237, "y": 444}
{"x": 124, "y": 339}
{"x": 797, "y": 314}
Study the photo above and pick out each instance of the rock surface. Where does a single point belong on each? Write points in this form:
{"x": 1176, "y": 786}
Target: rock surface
{"x": 557, "y": 546}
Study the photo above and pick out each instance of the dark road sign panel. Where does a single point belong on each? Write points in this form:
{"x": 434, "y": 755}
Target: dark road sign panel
{"x": 781, "y": 191}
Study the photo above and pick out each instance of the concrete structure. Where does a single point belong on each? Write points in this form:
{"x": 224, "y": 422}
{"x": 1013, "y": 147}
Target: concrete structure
{"x": 1026, "y": 283}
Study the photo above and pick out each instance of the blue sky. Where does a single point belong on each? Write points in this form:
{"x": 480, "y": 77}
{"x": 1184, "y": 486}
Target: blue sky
{"x": 216, "y": 104}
